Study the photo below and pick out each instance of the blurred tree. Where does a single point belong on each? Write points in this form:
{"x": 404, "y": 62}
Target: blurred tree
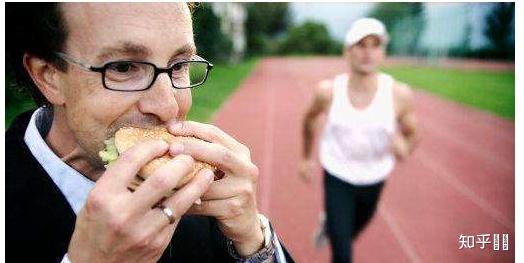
{"x": 463, "y": 49}
{"x": 17, "y": 99}
{"x": 264, "y": 24}
{"x": 211, "y": 42}
{"x": 310, "y": 37}
{"x": 11, "y": 90}
{"x": 500, "y": 29}
{"x": 404, "y": 22}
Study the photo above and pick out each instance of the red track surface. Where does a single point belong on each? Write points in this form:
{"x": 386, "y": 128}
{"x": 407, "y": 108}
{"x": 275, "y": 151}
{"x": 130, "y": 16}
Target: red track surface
{"x": 460, "y": 180}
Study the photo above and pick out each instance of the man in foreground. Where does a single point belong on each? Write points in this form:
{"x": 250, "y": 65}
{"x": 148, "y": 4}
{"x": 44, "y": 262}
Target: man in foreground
{"x": 97, "y": 68}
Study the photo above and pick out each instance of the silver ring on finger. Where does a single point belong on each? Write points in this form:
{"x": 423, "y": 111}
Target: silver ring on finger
{"x": 168, "y": 212}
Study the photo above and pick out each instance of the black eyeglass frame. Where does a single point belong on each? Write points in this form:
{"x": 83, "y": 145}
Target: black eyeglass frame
{"x": 157, "y": 70}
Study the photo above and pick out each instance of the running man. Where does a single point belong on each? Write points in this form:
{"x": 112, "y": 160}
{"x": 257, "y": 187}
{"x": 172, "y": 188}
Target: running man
{"x": 370, "y": 124}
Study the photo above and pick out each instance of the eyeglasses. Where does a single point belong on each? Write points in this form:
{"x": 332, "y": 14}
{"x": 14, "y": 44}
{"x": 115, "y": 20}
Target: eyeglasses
{"x": 127, "y": 75}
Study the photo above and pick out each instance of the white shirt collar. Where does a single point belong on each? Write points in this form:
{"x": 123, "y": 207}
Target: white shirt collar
{"x": 74, "y": 186}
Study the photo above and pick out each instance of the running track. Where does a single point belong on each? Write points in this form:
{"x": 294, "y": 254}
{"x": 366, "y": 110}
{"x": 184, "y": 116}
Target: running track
{"x": 460, "y": 179}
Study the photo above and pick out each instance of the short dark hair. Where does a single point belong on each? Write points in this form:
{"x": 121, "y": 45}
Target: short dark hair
{"x": 37, "y": 29}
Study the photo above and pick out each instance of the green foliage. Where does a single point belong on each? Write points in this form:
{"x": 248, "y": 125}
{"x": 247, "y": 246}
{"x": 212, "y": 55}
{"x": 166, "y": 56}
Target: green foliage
{"x": 499, "y": 30}
{"x": 309, "y": 38}
{"x": 12, "y": 92}
{"x": 211, "y": 42}
{"x": 265, "y": 22}
{"x": 18, "y": 103}
{"x": 486, "y": 90}
{"x": 390, "y": 13}
{"x": 17, "y": 100}
{"x": 488, "y": 53}
{"x": 404, "y": 22}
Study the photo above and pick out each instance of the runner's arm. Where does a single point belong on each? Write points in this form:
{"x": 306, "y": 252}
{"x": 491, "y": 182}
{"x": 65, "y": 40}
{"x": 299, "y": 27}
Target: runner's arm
{"x": 318, "y": 107}
{"x": 406, "y": 138}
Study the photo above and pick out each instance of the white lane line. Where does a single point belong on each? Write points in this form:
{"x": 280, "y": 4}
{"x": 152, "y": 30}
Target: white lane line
{"x": 473, "y": 149}
{"x": 462, "y": 188}
{"x": 399, "y": 236}
{"x": 478, "y": 122}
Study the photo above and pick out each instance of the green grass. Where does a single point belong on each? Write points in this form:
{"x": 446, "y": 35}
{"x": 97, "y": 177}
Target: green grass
{"x": 222, "y": 82}
{"x": 486, "y": 90}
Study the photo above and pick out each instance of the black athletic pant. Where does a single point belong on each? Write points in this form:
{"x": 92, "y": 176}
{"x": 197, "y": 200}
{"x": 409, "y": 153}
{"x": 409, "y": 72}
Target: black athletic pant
{"x": 348, "y": 209}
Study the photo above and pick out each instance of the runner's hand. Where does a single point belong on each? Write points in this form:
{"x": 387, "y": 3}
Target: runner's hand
{"x": 399, "y": 147}
{"x": 306, "y": 170}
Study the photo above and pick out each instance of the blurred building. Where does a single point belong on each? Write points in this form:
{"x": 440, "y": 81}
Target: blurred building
{"x": 233, "y": 16}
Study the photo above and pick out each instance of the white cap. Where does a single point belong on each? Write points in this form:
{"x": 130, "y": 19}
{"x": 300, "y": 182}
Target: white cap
{"x": 363, "y": 28}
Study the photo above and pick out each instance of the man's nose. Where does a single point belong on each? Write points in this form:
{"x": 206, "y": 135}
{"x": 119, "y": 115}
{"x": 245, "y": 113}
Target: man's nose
{"x": 160, "y": 100}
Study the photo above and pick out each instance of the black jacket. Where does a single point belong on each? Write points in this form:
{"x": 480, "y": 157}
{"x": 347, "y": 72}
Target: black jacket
{"x": 40, "y": 222}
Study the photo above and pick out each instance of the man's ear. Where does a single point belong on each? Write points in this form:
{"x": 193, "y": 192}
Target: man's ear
{"x": 45, "y": 77}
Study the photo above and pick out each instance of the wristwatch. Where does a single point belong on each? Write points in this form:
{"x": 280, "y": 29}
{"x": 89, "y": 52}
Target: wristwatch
{"x": 268, "y": 251}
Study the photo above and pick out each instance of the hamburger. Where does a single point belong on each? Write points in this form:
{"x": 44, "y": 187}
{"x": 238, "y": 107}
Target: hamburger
{"x": 126, "y": 137}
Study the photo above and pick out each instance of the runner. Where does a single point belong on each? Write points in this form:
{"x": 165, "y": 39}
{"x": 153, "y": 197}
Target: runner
{"x": 370, "y": 124}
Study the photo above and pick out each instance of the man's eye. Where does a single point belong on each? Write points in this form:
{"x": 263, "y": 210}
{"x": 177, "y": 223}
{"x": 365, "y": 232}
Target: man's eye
{"x": 122, "y": 67}
{"x": 177, "y": 67}
{"x": 181, "y": 67}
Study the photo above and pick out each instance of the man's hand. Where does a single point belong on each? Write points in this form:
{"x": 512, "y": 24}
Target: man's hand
{"x": 232, "y": 199}
{"x": 306, "y": 169}
{"x": 117, "y": 225}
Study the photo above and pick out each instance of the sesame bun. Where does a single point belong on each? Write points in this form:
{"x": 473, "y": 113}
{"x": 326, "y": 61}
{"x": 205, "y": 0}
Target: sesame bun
{"x": 126, "y": 137}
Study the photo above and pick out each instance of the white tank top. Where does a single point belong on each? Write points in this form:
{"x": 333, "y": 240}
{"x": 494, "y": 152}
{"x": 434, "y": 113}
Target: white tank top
{"x": 355, "y": 144}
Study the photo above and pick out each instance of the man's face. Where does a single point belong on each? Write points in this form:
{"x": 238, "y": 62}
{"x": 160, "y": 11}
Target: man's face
{"x": 99, "y": 33}
{"x": 366, "y": 55}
